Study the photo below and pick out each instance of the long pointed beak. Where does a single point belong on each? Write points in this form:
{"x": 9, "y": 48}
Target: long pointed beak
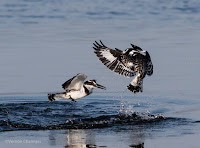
{"x": 101, "y": 87}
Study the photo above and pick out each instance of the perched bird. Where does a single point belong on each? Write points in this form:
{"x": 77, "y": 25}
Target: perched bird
{"x": 76, "y": 88}
{"x": 131, "y": 62}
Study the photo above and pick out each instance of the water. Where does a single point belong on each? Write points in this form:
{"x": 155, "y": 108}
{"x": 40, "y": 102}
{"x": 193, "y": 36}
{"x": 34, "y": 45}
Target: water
{"x": 44, "y": 43}
{"x": 26, "y": 116}
{"x": 102, "y": 117}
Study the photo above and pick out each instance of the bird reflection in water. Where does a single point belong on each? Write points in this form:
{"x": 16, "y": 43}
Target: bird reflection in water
{"x": 137, "y": 146}
{"x": 81, "y": 139}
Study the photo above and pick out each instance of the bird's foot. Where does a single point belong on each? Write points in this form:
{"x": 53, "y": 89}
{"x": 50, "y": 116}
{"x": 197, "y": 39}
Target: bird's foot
{"x": 73, "y": 100}
{"x": 134, "y": 89}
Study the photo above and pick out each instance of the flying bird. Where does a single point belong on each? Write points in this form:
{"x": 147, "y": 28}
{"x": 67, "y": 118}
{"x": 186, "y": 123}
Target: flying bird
{"x": 130, "y": 62}
{"x": 76, "y": 88}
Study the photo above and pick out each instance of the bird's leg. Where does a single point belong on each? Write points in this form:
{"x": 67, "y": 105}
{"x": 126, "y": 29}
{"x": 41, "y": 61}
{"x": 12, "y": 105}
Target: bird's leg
{"x": 136, "y": 84}
{"x": 72, "y": 99}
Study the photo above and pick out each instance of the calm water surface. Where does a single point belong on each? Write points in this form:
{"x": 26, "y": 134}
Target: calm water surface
{"x": 44, "y": 43}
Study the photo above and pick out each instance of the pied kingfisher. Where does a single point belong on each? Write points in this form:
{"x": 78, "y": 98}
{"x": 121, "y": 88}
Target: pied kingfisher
{"x": 76, "y": 88}
{"x": 131, "y": 62}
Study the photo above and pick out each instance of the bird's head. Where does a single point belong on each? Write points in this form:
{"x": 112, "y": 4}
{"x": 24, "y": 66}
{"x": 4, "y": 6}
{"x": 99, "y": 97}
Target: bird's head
{"x": 133, "y": 52}
{"x": 93, "y": 84}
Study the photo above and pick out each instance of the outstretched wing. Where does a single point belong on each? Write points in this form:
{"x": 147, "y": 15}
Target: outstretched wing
{"x": 115, "y": 60}
{"x": 74, "y": 83}
{"x": 149, "y": 65}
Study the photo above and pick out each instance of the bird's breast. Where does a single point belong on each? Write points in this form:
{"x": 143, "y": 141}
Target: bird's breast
{"x": 77, "y": 94}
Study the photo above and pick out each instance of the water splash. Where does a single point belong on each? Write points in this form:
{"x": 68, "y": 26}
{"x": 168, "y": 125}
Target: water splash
{"x": 126, "y": 109}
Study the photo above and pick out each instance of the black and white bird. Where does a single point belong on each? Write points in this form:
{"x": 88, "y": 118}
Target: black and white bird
{"x": 76, "y": 88}
{"x": 131, "y": 62}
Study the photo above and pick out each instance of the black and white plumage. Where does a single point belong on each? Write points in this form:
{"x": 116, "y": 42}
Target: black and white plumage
{"x": 76, "y": 88}
{"x": 131, "y": 62}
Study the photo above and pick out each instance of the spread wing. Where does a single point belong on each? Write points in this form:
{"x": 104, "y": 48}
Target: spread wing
{"x": 115, "y": 60}
{"x": 149, "y": 64}
{"x": 74, "y": 83}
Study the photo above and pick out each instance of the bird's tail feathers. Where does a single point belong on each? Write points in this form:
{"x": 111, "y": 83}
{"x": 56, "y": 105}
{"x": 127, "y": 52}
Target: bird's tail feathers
{"x": 52, "y": 97}
{"x": 57, "y": 96}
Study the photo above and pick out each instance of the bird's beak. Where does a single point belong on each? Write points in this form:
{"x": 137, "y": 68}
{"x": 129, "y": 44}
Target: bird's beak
{"x": 100, "y": 86}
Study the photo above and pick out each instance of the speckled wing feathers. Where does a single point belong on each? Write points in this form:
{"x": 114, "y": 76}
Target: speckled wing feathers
{"x": 113, "y": 59}
{"x": 149, "y": 65}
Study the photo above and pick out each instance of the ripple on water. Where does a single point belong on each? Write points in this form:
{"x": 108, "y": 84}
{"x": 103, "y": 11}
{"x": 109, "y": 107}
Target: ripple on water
{"x": 65, "y": 115}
